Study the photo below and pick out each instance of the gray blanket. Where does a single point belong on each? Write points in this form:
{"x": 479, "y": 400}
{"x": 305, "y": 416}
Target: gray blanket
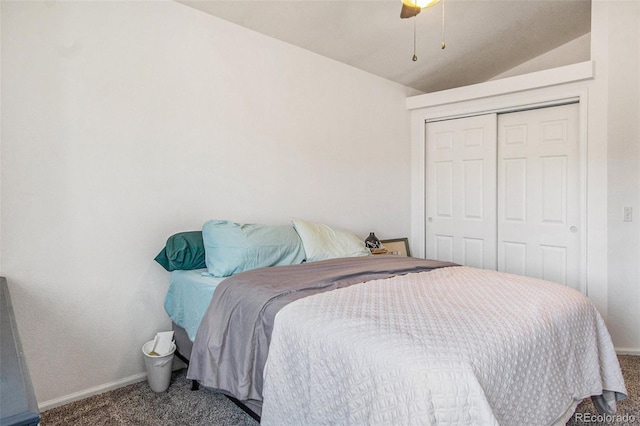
{"x": 232, "y": 343}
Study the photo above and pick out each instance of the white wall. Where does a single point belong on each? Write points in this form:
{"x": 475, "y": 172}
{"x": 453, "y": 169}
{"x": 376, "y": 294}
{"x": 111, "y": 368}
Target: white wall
{"x": 123, "y": 122}
{"x": 576, "y": 51}
{"x": 616, "y": 51}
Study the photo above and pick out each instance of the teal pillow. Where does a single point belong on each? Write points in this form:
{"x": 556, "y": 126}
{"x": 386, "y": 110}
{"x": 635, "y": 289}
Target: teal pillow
{"x": 232, "y": 247}
{"x": 183, "y": 251}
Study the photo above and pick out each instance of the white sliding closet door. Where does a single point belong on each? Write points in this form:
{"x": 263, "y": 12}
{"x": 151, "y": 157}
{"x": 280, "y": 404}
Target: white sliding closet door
{"x": 461, "y": 191}
{"x": 539, "y": 220}
{"x": 504, "y": 192}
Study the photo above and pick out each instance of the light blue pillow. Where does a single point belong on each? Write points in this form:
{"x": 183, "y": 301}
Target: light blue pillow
{"x": 323, "y": 242}
{"x": 232, "y": 247}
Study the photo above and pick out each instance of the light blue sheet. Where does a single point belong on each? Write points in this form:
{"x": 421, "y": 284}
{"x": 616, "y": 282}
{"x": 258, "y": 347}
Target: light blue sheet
{"x": 188, "y": 298}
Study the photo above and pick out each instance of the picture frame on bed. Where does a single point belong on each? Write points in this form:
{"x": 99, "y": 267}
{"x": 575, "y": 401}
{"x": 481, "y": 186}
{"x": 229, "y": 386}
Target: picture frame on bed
{"x": 397, "y": 246}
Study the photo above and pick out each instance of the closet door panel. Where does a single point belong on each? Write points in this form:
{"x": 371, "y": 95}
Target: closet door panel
{"x": 553, "y": 265}
{"x": 473, "y": 187}
{"x": 443, "y": 249}
{"x": 444, "y": 189}
{"x": 461, "y": 191}
{"x": 514, "y": 201}
{"x": 538, "y": 193}
{"x": 554, "y": 189}
{"x": 514, "y": 257}
{"x": 474, "y": 249}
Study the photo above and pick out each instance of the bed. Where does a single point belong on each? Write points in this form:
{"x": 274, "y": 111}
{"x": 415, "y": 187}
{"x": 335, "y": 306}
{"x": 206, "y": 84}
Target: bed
{"x": 396, "y": 340}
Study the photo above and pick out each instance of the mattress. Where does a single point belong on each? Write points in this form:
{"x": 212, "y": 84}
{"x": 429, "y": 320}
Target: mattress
{"x": 188, "y": 298}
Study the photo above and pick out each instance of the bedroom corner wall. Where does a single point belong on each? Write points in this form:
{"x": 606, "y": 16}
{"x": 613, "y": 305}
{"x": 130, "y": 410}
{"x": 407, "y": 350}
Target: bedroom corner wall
{"x": 616, "y": 53}
{"x": 124, "y": 122}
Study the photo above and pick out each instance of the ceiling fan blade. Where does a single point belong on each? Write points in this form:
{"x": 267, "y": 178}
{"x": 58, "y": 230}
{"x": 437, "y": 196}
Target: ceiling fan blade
{"x": 409, "y": 11}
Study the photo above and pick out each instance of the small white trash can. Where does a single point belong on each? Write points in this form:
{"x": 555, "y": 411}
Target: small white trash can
{"x": 158, "y": 367}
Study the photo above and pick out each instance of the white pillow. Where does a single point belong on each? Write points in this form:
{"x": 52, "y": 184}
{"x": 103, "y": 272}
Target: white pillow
{"x": 323, "y": 242}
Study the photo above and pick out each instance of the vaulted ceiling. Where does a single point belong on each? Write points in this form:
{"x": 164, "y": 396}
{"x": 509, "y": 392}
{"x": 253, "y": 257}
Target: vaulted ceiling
{"x": 484, "y": 38}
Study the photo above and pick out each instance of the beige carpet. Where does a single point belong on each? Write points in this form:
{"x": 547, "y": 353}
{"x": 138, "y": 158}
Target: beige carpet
{"x": 628, "y": 410}
{"x": 137, "y": 405}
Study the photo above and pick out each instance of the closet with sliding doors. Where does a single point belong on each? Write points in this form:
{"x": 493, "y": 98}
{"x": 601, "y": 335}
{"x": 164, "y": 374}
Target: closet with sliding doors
{"x": 503, "y": 191}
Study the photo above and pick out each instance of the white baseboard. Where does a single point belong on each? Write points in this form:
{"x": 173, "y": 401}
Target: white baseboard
{"x": 76, "y": 396}
{"x": 627, "y": 351}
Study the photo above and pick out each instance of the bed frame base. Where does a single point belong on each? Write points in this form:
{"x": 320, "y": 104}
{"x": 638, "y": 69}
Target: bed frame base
{"x": 182, "y": 341}
{"x": 194, "y": 383}
{"x": 244, "y": 408}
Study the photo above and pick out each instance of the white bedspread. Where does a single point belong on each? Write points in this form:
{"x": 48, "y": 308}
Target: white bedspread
{"x": 455, "y": 346}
